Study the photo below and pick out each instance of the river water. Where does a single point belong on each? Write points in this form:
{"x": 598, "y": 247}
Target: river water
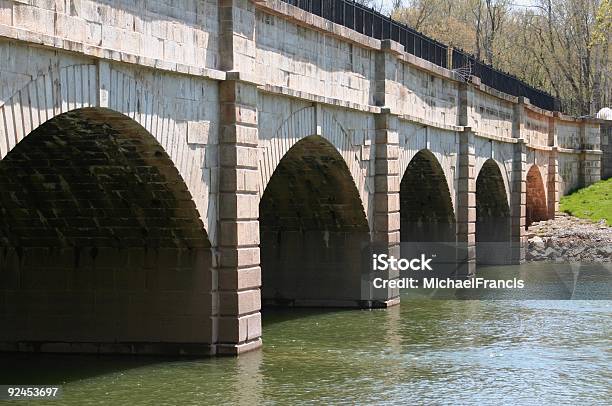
{"x": 425, "y": 351}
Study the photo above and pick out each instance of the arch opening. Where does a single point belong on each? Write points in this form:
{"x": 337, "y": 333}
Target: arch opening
{"x": 493, "y": 222}
{"x": 313, "y": 229}
{"x": 426, "y": 208}
{"x": 100, "y": 241}
{"x": 536, "y": 207}
{"x": 427, "y": 218}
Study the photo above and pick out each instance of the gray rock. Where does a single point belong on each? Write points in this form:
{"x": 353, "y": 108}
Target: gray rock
{"x": 537, "y": 243}
{"x": 550, "y": 253}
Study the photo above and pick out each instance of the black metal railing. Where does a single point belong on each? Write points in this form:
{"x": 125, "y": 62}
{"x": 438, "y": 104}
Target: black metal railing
{"x": 503, "y": 81}
{"x": 368, "y": 21}
{"x": 374, "y": 24}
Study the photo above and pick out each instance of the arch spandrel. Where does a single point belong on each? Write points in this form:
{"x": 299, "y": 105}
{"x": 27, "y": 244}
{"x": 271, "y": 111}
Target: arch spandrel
{"x": 442, "y": 144}
{"x": 490, "y": 151}
{"x": 305, "y": 122}
{"x": 59, "y": 90}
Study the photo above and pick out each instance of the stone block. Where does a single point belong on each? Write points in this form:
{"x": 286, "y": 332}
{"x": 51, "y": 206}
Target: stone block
{"x": 238, "y": 233}
{"x": 386, "y": 151}
{"x": 238, "y": 257}
{"x": 466, "y": 199}
{"x": 238, "y": 180}
{"x": 239, "y": 93}
{"x": 238, "y": 155}
{"x": 387, "y": 184}
{"x": 239, "y": 279}
{"x": 198, "y": 132}
{"x": 234, "y": 113}
{"x": 239, "y": 206}
{"x": 238, "y": 303}
{"x": 386, "y": 202}
{"x": 238, "y": 134}
{"x": 241, "y": 329}
{"x": 464, "y": 228}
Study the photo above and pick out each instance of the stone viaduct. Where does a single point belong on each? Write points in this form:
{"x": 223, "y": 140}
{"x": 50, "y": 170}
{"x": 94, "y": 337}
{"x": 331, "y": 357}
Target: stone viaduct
{"x": 168, "y": 166}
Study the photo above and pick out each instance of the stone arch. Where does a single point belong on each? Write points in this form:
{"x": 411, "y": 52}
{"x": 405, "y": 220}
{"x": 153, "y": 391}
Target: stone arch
{"x": 426, "y": 207}
{"x": 55, "y": 91}
{"x": 101, "y": 237}
{"x": 59, "y": 90}
{"x": 313, "y": 229}
{"x": 306, "y": 122}
{"x": 493, "y": 221}
{"x": 536, "y": 205}
{"x": 501, "y": 152}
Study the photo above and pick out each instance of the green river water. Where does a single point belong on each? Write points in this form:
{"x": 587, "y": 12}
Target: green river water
{"x": 424, "y": 351}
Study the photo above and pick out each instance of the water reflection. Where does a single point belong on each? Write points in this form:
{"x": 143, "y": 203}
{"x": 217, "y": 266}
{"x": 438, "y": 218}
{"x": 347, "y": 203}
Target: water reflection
{"x": 424, "y": 351}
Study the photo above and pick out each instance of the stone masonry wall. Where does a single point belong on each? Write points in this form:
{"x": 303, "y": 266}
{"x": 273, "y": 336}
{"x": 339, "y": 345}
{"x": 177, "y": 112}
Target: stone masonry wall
{"x": 184, "y": 31}
{"x": 606, "y": 147}
{"x": 226, "y": 90}
{"x": 310, "y": 61}
{"x": 489, "y": 115}
{"x": 100, "y": 242}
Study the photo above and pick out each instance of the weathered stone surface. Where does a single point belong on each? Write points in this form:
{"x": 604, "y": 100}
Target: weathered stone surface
{"x": 220, "y": 126}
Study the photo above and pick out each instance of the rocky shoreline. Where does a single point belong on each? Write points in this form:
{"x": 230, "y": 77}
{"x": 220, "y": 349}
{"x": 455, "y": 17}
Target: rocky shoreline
{"x": 569, "y": 239}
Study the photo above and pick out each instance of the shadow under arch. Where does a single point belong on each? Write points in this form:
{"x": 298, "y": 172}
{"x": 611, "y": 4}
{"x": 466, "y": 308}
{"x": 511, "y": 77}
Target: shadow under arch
{"x": 313, "y": 229}
{"x": 426, "y": 207}
{"x": 102, "y": 248}
{"x": 536, "y": 206}
{"x": 427, "y": 218}
{"x": 493, "y": 221}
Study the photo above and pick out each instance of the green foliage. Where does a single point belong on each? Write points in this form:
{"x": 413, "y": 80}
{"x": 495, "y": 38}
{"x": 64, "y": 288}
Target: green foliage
{"x": 593, "y": 202}
{"x": 560, "y": 46}
{"x": 603, "y": 23}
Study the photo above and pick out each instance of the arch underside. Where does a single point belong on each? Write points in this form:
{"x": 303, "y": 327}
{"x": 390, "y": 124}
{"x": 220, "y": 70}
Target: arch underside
{"x": 61, "y": 89}
{"x": 307, "y": 122}
{"x": 100, "y": 240}
{"x": 493, "y": 221}
{"x": 441, "y": 144}
{"x": 313, "y": 229}
{"x": 427, "y": 218}
{"x": 536, "y": 205}
{"x": 426, "y": 209}
{"x": 501, "y": 153}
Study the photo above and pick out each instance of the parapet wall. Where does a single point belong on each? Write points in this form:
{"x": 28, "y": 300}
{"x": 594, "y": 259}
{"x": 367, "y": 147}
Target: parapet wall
{"x": 287, "y": 51}
{"x": 302, "y": 52}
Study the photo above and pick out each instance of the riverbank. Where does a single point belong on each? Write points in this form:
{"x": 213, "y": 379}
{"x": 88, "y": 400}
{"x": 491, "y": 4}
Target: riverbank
{"x": 569, "y": 239}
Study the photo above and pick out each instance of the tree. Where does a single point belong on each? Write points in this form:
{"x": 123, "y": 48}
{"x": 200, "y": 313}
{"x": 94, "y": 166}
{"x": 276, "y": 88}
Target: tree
{"x": 562, "y": 46}
{"x": 377, "y": 5}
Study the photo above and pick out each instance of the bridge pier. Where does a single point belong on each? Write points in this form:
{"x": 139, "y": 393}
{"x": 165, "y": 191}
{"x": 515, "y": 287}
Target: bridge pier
{"x": 553, "y": 182}
{"x": 518, "y": 200}
{"x": 238, "y": 317}
{"x": 466, "y": 206}
{"x": 386, "y": 233}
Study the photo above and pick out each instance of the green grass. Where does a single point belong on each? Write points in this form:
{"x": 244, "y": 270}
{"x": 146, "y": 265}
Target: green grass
{"x": 593, "y": 202}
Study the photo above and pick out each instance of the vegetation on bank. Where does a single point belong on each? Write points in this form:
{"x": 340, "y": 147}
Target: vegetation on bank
{"x": 593, "y": 202}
